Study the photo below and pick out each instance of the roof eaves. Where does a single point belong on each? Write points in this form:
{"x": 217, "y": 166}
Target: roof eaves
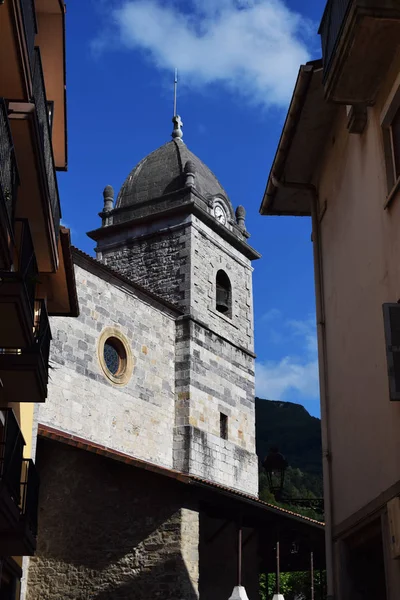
{"x": 84, "y": 444}
{"x": 257, "y": 501}
{"x": 65, "y": 237}
{"x": 288, "y": 132}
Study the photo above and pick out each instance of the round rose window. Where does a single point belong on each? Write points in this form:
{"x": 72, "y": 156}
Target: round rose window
{"x": 115, "y": 356}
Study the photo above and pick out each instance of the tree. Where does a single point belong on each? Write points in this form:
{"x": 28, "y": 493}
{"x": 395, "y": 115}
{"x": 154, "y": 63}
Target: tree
{"x": 294, "y": 586}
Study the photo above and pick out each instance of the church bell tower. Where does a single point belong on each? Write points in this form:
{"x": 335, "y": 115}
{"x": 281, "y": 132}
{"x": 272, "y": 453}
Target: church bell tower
{"x": 173, "y": 230}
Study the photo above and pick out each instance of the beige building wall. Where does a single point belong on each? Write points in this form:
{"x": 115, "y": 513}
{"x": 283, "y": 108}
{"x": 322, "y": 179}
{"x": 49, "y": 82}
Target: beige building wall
{"x": 360, "y": 243}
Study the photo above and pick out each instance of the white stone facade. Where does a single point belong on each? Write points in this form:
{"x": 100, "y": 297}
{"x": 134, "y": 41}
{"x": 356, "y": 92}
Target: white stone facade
{"x": 137, "y": 419}
{"x": 169, "y": 411}
{"x": 209, "y": 253}
{"x": 189, "y": 404}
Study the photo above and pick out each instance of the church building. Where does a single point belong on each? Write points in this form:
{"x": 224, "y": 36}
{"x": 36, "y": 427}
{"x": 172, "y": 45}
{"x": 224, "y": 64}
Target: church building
{"x": 146, "y": 444}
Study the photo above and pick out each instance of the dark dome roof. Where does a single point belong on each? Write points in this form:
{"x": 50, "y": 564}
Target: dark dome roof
{"x": 163, "y": 171}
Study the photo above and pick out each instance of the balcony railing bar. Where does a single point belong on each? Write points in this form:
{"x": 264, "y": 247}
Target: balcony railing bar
{"x": 27, "y": 261}
{"x": 30, "y": 495}
{"x": 25, "y": 269}
{"x": 39, "y": 93}
{"x": 30, "y": 27}
{"x": 9, "y": 179}
{"x": 43, "y": 334}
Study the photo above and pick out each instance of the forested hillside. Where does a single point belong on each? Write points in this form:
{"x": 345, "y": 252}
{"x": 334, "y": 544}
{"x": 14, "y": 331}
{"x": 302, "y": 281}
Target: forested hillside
{"x": 298, "y": 436}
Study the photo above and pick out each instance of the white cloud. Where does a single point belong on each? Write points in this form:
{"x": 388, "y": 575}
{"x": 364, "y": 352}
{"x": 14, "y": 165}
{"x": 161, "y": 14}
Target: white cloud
{"x": 306, "y": 331}
{"x": 274, "y": 380}
{"x": 272, "y": 314}
{"x": 254, "y": 47}
{"x": 294, "y": 374}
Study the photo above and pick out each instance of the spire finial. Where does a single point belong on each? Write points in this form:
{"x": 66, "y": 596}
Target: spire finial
{"x": 177, "y": 132}
{"x": 175, "y": 90}
{"x": 177, "y": 121}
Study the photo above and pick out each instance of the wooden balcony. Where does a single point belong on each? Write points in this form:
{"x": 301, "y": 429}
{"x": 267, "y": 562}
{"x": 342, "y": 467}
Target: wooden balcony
{"x": 37, "y": 198}
{"x": 17, "y": 292}
{"x": 22, "y": 27}
{"x": 9, "y": 181}
{"x": 19, "y": 491}
{"x": 17, "y": 41}
{"x": 50, "y": 16}
{"x": 359, "y": 39}
{"x": 24, "y": 371}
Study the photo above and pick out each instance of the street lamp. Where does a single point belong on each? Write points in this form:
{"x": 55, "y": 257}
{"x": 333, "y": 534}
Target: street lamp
{"x": 275, "y": 465}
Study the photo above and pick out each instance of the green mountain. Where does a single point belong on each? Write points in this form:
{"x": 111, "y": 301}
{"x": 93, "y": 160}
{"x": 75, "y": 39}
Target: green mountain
{"x": 297, "y": 434}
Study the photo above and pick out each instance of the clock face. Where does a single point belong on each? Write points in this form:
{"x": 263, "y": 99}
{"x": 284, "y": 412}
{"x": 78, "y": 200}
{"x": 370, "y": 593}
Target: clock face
{"x": 220, "y": 214}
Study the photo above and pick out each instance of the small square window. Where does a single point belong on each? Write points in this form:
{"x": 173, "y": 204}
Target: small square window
{"x": 223, "y": 426}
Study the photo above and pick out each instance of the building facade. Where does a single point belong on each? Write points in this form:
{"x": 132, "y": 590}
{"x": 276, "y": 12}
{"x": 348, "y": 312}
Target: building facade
{"x": 338, "y": 162}
{"x": 36, "y": 270}
{"x": 173, "y": 230}
{"x": 159, "y": 366}
{"x": 146, "y": 448}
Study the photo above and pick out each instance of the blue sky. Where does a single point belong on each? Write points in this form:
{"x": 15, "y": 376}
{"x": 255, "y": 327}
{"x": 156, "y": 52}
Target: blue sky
{"x": 238, "y": 60}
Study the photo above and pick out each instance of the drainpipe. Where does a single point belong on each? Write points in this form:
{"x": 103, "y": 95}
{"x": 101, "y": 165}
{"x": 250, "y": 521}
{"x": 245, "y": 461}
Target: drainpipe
{"x": 323, "y": 372}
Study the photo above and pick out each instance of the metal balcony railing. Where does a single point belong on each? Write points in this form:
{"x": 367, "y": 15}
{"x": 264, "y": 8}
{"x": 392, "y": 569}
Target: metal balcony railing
{"x": 26, "y": 269}
{"x": 11, "y": 451}
{"x": 30, "y": 495}
{"x": 42, "y": 334}
{"x": 331, "y": 27}
{"x": 27, "y": 262}
{"x": 39, "y": 94}
{"x": 9, "y": 179}
{"x": 30, "y": 27}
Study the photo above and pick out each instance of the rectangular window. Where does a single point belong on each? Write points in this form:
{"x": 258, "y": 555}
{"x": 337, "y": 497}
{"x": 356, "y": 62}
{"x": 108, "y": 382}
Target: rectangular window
{"x": 10, "y": 588}
{"x": 395, "y": 141}
{"x": 391, "y": 317}
{"x": 390, "y": 121}
{"x": 223, "y": 426}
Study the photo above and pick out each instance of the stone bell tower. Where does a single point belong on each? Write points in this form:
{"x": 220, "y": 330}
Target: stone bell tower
{"x": 173, "y": 230}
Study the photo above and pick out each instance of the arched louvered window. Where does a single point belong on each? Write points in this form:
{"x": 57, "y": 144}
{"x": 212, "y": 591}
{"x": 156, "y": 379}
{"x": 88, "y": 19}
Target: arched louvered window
{"x": 223, "y": 294}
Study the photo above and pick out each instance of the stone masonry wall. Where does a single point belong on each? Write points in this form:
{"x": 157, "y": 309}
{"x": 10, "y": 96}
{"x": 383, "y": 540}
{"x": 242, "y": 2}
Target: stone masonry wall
{"x": 108, "y": 531}
{"x": 210, "y": 253}
{"x": 178, "y": 259}
{"x": 214, "y": 377}
{"x": 214, "y": 459}
{"x": 214, "y": 369}
{"x": 217, "y": 377}
{"x": 157, "y": 261}
{"x": 137, "y": 418}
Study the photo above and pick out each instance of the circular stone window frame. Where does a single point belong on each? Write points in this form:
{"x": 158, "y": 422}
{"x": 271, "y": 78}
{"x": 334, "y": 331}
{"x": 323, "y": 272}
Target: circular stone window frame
{"x": 125, "y": 372}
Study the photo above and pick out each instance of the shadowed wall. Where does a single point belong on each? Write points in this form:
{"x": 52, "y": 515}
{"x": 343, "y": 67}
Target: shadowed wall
{"x": 108, "y": 531}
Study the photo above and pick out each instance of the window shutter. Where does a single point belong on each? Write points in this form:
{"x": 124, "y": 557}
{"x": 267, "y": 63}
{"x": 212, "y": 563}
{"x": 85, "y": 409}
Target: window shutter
{"x": 395, "y": 127}
{"x": 391, "y": 317}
